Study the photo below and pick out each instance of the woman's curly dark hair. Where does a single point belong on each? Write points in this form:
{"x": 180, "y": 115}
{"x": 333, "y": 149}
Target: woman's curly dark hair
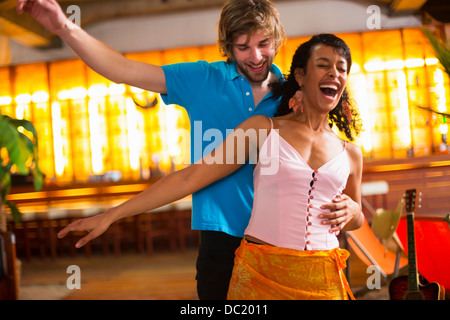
{"x": 287, "y": 88}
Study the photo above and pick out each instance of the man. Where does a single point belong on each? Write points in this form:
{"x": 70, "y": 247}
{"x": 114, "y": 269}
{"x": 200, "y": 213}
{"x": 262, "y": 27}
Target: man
{"x": 217, "y": 96}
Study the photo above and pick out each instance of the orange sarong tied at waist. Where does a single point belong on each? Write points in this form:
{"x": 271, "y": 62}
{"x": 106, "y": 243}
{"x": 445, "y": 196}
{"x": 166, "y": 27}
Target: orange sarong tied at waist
{"x": 264, "y": 272}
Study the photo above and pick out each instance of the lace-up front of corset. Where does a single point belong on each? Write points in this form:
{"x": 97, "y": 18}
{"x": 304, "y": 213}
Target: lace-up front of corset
{"x": 288, "y": 194}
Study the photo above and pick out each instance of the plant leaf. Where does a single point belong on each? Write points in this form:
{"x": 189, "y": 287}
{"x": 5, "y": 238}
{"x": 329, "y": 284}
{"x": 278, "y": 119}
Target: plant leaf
{"x": 18, "y": 151}
{"x": 5, "y": 182}
{"x": 14, "y": 211}
{"x": 27, "y": 125}
{"x": 441, "y": 51}
{"x": 38, "y": 177}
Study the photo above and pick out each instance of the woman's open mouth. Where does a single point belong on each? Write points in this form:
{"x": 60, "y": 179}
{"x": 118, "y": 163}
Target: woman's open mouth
{"x": 330, "y": 90}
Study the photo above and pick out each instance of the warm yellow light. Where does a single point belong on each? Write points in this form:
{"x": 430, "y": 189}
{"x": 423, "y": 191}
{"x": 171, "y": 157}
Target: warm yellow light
{"x": 77, "y": 93}
{"x": 171, "y": 128}
{"x": 359, "y": 92}
{"x": 414, "y": 63}
{"x": 394, "y": 64}
{"x": 443, "y": 128}
{"x": 136, "y": 90}
{"x": 116, "y": 89}
{"x": 402, "y": 114}
{"x": 63, "y": 95}
{"x": 20, "y": 111}
{"x": 168, "y": 115}
{"x": 440, "y": 90}
{"x": 42, "y": 106}
{"x": 373, "y": 66}
{"x": 97, "y": 91}
{"x": 40, "y": 96}
{"x": 5, "y": 100}
{"x": 23, "y": 98}
{"x": 95, "y": 137}
{"x": 58, "y": 144}
{"x": 356, "y": 68}
{"x": 133, "y": 137}
{"x": 404, "y": 135}
{"x": 431, "y": 61}
{"x": 378, "y": 65}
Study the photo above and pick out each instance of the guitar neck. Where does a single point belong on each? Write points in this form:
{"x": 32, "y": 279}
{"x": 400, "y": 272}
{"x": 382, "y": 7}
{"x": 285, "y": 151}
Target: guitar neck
{"x": 415, "y": 289}
{"x": 413, "y": 277}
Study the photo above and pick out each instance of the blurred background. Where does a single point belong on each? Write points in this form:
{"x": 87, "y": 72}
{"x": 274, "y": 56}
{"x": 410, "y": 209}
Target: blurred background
{"x": 101, "y": 143}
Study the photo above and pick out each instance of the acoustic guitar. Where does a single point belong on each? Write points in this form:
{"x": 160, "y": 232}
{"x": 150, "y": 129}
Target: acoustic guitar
{"x": 413, "y": 286}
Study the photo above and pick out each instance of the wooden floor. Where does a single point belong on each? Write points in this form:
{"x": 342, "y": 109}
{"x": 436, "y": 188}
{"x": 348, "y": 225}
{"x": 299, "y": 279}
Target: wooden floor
{"x": 161, "y": 276}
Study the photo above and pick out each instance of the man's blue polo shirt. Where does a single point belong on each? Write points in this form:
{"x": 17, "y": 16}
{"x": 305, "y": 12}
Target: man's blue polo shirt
{"x": 217, "y": 98}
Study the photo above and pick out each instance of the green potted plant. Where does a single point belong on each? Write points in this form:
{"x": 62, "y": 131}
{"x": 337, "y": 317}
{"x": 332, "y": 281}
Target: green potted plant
{"x": 442, "y": 53}
{"x": 18, "y": 155}
{"x": 441, "y": 50}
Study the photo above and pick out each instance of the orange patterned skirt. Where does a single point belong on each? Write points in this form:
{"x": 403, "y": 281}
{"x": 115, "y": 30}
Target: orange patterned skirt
{"x": 264, "y": 272}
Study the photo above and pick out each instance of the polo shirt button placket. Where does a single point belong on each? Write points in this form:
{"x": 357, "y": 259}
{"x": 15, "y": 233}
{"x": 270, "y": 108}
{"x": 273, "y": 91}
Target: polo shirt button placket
{"x": 248, "y": 95}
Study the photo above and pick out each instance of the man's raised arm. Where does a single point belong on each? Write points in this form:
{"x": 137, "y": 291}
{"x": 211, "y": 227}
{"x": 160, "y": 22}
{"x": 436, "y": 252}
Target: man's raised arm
{"x": 99, "y": 57}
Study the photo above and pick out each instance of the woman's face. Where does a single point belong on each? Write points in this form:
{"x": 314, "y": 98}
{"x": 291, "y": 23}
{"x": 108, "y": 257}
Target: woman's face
{"x": 325, "y": 78}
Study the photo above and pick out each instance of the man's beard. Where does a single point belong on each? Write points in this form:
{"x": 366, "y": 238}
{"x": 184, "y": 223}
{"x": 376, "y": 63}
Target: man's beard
{"x": 254, "y": 76}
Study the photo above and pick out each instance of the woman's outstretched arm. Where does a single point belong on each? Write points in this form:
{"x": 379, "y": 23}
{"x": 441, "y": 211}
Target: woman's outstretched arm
{"x": 229, "y": 156}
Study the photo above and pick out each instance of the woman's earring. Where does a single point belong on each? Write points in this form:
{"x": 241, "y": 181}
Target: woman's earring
{"x": 296, "y": 102}
{"x": 347, "y": 111}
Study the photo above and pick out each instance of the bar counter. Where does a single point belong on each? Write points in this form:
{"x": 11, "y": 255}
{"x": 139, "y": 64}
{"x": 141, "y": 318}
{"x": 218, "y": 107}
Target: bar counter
{"x": 46, "y": 212}
{"x": 50, "y": 209}
{"x": 429, "y": 175}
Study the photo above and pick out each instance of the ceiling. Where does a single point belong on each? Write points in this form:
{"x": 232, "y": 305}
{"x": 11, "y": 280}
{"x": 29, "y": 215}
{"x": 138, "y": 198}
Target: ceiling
{"x": 25, "y": 30}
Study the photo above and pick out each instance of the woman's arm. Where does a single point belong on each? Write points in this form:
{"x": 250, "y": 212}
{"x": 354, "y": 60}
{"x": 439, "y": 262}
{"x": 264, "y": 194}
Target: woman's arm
{"x": 345, "y": 211}
{"x": 221, "y": 162}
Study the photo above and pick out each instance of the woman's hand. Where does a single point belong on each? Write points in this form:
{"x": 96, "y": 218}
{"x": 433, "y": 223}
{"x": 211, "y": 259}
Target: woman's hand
{"x": 345, "y": 214}
{"x": 95, "y": 226}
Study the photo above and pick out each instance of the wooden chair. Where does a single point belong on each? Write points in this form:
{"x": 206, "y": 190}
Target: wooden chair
{"x": 68, "y": 242}
{"x": 183, "y": 218}
{"x": 158, "y": 224}
{"x": 365, "y": 243}
{"x": 373, "y": 195}
{"x": 31, "y": 236}
{"x": 372, "y": 252}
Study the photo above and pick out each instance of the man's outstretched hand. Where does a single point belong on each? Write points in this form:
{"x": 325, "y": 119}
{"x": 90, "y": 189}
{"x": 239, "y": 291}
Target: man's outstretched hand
{"x": 47, "y": 12}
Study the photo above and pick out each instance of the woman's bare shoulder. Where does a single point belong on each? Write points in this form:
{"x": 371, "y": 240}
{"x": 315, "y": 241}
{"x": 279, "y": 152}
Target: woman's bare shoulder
{"x": 355, "y": 154}
{"x": 256, "y": 122}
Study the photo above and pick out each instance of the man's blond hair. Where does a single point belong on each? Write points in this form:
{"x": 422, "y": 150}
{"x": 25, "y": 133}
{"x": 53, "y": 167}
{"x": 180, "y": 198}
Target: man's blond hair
{"x": 240, "y": 17}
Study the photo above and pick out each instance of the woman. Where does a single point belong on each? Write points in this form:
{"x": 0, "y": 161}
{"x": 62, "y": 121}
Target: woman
{"x": 288, "y": 251}
{"x": 291, "y": 215}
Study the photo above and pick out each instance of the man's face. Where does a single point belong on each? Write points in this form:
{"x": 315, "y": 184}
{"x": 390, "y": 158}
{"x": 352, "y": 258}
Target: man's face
{"x": 254, "y": 55}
